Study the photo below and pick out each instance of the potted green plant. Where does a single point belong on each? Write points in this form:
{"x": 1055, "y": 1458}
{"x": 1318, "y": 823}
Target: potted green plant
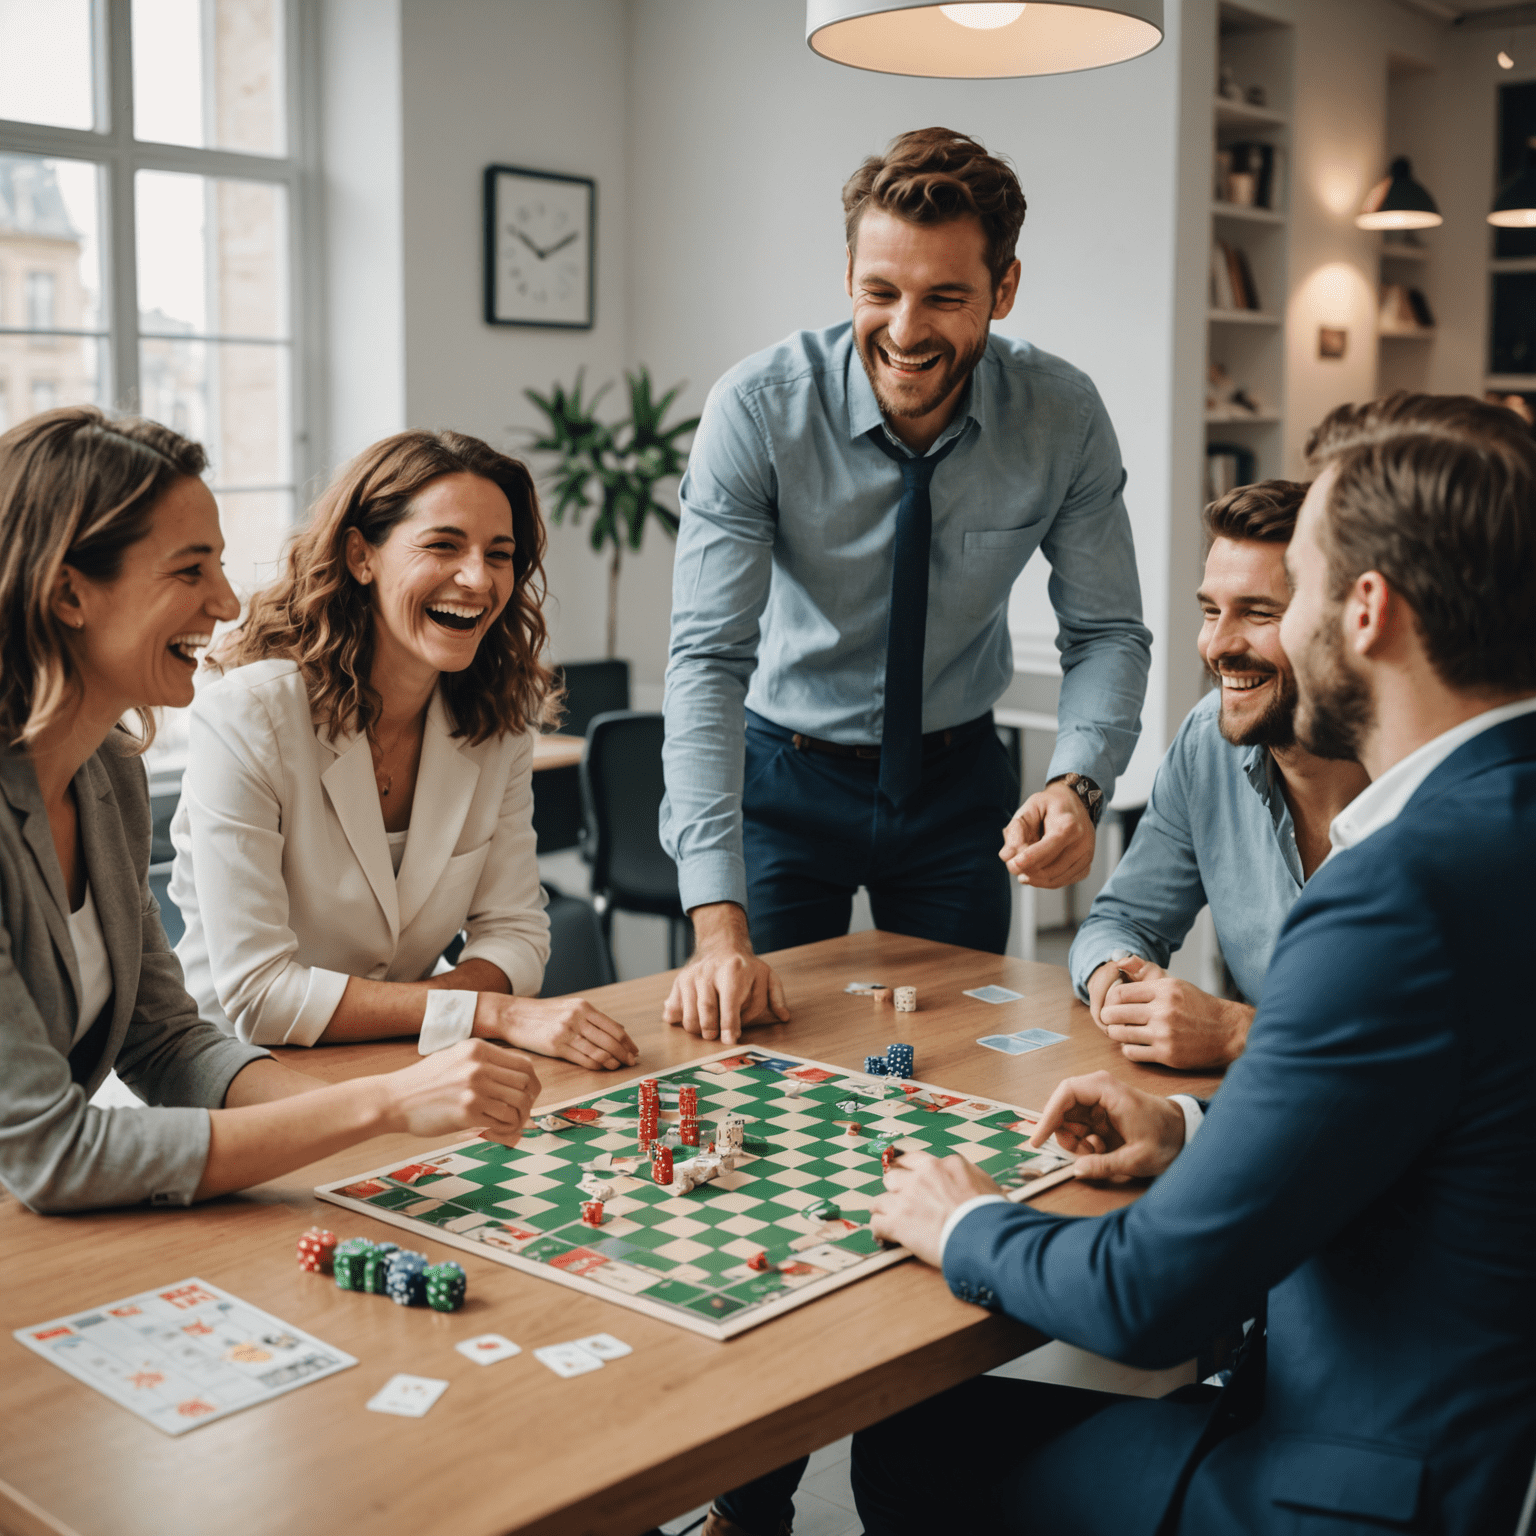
{"x": 616, "y": 468}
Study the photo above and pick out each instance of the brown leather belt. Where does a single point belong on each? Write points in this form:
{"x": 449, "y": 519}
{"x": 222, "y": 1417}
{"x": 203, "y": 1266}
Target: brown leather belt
{"x": 931, "y": 742}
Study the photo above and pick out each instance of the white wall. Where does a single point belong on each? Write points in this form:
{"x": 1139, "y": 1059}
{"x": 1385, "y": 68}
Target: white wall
{"x": 741, "y": 141}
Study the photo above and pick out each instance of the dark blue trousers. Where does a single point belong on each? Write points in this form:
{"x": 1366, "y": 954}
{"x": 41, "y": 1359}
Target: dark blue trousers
{"x": 816, "y": 828}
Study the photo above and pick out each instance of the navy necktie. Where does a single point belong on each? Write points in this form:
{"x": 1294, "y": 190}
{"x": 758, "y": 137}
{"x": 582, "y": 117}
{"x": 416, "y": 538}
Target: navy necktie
{"x": 901, "y": 742}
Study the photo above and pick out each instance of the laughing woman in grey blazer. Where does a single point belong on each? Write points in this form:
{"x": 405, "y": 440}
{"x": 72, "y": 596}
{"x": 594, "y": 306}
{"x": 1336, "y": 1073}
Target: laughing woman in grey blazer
{"x": 110, "y": 582}
{"x": 359, "y": 784}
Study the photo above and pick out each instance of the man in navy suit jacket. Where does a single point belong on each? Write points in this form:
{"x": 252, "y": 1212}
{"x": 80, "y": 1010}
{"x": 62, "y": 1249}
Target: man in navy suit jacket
{"x": 1368, "y": 1163}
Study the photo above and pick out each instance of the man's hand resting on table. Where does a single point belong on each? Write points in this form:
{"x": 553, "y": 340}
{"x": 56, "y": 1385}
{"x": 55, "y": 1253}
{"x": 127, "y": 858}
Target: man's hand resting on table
{"x": 1117, "y": 1132}
{"x": 1157, "y": 1017}
{"x": 921, "y": 1191}
{"x": 724, "y": 986}
{"x": 1049, "y": 843}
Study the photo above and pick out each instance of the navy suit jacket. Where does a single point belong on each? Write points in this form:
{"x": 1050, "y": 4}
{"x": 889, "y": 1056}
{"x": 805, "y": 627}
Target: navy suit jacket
{"x": 1370, "y": 1164}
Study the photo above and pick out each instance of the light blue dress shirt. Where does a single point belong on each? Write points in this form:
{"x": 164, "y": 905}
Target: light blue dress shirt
{"x": 781, "y": 587}
{"x": 1216, "y": 830}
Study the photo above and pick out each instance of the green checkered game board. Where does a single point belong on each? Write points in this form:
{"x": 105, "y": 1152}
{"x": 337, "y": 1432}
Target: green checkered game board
{"x": 799, "y": 1195}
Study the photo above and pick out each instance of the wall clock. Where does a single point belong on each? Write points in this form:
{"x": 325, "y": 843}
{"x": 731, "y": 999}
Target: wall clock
{"x": 540, "y": 248}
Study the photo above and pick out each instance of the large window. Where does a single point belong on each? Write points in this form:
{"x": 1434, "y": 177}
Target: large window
{"x": 151, "y": 202}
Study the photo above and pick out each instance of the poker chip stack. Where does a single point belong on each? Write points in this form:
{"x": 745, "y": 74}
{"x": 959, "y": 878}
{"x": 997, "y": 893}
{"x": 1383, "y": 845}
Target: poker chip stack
{"x": 899, "y": 1060}
{"x": 317, "y": 1249}
{"x": 906, "y": 999}
{"x": 661, "y": 1165}
{"x": 376, "y": 1268}
{"x": 347, "y": 1262}
{"x": 888, "y": 1156}
{"x": 650, "y": 1112}
{"x": 688, "y": 1114}
{"x": 592, "y": 1212}
{"x": 444, "y": 1284}
{"x": 876, "y": 1066}
{"x": 405, "y": 1278}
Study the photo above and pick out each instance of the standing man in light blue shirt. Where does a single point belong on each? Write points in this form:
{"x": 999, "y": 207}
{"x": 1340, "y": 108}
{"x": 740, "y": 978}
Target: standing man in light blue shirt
{"x": 1238, "y": 816}
{"x": 858, "y": 505}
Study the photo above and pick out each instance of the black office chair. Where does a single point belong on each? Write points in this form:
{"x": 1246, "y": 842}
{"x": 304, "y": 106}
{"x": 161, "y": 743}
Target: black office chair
{"x": 621, "y": 789}
{"x": 579, "y": 957}
{"x": 591, "y": 688}
{"x": 162, "y": 855}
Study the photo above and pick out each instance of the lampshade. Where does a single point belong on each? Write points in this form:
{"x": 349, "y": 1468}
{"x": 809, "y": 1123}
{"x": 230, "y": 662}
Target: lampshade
{"x": 982, "y": 41}
{"x": 1515, "y": 206}
{"x": 1399, "y": 202}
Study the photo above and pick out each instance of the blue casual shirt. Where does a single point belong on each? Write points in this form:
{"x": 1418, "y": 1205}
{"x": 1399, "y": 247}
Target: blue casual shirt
{"x": 1217, "y": 830}
{"x": 781, "y": 587}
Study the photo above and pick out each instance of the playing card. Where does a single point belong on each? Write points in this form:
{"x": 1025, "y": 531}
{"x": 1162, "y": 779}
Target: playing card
{"x": 862, "y": 988}
{"x": 994, "y": 995}
{"x": 604, "y": 1346}
{"x": 408, "y": 1396}
{"x": 568, "y": 1359}
{"x": 1009, "y": 1045}
{"x": 1035, "y": 1038}
{"x": 488, "y": 1348}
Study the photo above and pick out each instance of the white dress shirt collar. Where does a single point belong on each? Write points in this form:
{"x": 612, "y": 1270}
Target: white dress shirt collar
{"x": 1381, "y": 802}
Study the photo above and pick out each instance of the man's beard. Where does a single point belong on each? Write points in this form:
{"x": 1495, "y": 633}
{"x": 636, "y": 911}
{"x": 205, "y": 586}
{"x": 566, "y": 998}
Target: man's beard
{"x": 1336, "y": 711}
{"x": 926, "y": 391}
{"x": 1276, "y": 727}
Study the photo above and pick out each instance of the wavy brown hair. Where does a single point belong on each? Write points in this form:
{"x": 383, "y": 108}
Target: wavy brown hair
{"x": 77, "y": 488}
{"x": 317, "y": 615}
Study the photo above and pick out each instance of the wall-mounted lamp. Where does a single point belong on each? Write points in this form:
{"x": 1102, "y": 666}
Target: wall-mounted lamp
{"x": 1399, "y": 202}
{"x": 1515, "y": 206}
{"x": 982, "y": 41}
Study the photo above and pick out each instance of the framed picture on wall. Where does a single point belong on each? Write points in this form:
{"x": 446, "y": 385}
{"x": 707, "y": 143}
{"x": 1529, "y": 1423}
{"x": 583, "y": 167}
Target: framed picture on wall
{"x": 540, "y": 248}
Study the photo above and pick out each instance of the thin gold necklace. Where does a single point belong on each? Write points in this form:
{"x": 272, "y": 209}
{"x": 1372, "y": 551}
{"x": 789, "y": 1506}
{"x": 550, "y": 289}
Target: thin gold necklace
{"x": 383, "y": 779}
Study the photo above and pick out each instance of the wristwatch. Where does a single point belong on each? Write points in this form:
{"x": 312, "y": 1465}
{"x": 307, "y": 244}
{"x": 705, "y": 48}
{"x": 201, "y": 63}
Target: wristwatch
{"x": 1086, "y": 791}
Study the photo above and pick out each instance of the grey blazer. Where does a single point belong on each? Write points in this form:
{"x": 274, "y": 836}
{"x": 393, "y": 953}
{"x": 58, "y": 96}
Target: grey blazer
{"x": 56, "y": 1152}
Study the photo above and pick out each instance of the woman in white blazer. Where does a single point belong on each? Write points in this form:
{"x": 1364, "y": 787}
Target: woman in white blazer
{"x": 358, "y": 786}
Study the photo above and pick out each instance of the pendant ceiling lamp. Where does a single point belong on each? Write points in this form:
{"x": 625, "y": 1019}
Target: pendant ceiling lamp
{"x": 1399, "y": 202}
{"x": 1515, "y": 206}
{"x": 984, "y": 41}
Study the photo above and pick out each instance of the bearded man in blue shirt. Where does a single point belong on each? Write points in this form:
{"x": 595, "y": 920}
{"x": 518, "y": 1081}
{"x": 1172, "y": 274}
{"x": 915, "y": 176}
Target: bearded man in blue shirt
{"x": 858, "y": 504}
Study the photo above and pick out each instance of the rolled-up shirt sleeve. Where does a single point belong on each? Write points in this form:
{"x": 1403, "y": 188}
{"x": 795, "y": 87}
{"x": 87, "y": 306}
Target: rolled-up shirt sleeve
{"x": 1106, "y": 650}
{"x": 1154, "y": 896}
{"x": 720, "y": 583}
{"x": 507, "y": 923}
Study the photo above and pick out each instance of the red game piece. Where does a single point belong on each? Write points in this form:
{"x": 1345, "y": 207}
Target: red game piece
{"x": 317, "y": 1248}
{"x": 661, "y": 1165}
{"x": 888, "y": 1156}
{"x": 688, "y": 1100}
{"x": 592, "y": 1212}
{"x": 758, "y": 1260}
{"x": 688, "y": 1130}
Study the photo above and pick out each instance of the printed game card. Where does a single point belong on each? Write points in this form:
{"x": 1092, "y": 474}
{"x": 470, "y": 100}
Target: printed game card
{"x": 407, "y": 1396}
{"x": 185, "y": 1354}
{"x": 993, "y": 995}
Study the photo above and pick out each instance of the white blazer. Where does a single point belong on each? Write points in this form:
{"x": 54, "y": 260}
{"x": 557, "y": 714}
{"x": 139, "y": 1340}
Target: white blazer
{"x": 283, "y": 874}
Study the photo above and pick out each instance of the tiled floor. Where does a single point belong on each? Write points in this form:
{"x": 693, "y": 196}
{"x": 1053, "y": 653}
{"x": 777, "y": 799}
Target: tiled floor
{"x": 824, "y": 1504}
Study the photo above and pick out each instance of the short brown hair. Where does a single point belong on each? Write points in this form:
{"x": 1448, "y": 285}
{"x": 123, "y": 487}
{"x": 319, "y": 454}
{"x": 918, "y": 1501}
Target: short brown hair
{"x": 1264, "y": 512}
{"x": 77, "y": 488}
{"x": 318, "y": 615}
{"x": 1438, "y": 494}
{"x": 934, "y": 175}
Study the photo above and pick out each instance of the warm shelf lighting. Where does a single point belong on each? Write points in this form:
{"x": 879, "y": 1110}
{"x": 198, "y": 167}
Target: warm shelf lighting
{"x": 1515, "y": 206}
{"x": 1399, "y": 202}
{"x": 982, "y": 41}
{"x": 1505, "y": 62}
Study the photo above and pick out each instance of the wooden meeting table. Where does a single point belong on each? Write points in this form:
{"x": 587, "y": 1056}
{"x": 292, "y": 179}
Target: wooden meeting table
{"x": 512, "y": 1447}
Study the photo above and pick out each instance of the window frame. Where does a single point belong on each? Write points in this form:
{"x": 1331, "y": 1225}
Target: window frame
{"x": 112, "y": 146}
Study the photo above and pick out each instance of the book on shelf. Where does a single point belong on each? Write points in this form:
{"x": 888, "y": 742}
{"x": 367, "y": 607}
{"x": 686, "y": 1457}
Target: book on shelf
{"x": 1232, "y": 284}
{"x": 1404, "y": 311}
{"x": 1227, "y": 466}
{"x": 1250, "y": 174}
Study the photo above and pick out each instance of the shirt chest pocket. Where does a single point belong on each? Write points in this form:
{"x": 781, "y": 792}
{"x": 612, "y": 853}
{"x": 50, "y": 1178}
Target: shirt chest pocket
{"x": 990, "y": 562}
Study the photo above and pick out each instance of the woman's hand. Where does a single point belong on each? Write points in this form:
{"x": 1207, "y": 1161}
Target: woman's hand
{"x": 475, "y": 1085}
{"x": 569, "y": 1027}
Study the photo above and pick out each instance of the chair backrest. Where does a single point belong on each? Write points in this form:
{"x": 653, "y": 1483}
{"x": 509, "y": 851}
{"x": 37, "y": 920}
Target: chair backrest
{"x": 579, "y": 958}
{"x": 591, "y": 688}
{"x": 621, "y": 784}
